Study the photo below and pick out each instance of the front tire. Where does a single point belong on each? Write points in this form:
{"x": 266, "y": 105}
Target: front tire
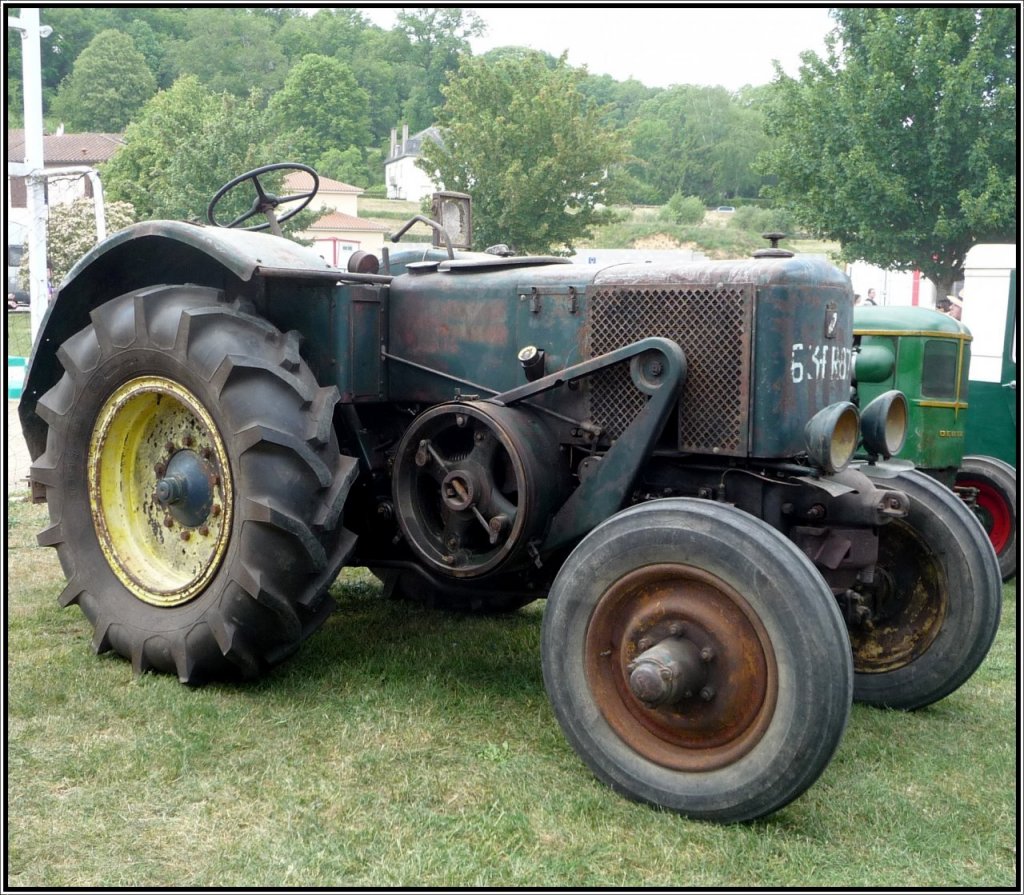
{"x": 194, "y": 485}
{"x": 696, "y": 660}
{"x": 935, "y": 603}
{"x": 996, "y": 482}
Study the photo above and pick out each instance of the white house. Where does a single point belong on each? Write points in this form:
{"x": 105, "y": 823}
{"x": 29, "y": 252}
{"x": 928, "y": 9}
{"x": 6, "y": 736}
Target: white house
{"x": 404, "y": 179}
{"x": 338, "y": 231}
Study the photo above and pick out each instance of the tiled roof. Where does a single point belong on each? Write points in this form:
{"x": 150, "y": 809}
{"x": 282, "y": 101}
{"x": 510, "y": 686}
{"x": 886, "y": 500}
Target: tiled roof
{"x": 300, "y": 181}
{"x": 67, "y": 149}
{"x": 337, "y": 220}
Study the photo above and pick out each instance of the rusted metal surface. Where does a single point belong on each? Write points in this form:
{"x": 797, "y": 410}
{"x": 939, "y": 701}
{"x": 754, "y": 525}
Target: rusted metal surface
{"x": 713, "y": 326}
{"x": 707, "y": 713}
{"x": 906, "y": 604}
{"x": 473, "y": 485}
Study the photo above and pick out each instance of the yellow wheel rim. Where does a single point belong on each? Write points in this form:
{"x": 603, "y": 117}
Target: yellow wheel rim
{"x": 160, "y": 490}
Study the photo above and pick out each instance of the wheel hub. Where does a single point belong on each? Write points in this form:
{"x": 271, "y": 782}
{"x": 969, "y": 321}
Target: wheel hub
{"x": 681, "y": 667}
{"x": 186, "y": 492}
{"x": 668, "y": 672}
{"x": 159, "y": 490}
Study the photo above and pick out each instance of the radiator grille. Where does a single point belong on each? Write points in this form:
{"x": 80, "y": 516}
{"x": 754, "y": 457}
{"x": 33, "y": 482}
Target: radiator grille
{"x": 712, "y": 325}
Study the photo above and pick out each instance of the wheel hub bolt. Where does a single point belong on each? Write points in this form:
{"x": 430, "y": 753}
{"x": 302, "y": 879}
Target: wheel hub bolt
{"x": 172, "y": 489}
{"x": 186, "y": 534}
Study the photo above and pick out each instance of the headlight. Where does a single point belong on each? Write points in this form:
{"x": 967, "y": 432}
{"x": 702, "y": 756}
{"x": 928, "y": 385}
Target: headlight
{"x": 831, "y": 436}
{"x": 883, "y": 424}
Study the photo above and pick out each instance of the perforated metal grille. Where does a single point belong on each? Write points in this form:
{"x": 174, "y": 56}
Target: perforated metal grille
{"x": 711, "y": 325}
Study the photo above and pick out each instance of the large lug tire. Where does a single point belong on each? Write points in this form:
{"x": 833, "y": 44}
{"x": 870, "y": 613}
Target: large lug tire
{"x": 194, "y": 485}
{"x": 935, "y": 603}
{"x": 696, "y": 660}
{"x": 996, "y": 482}
{"x": 466, "y": 597}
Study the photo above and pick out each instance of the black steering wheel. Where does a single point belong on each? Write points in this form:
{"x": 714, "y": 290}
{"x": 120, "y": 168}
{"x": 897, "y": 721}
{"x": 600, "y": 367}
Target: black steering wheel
{"x": 265, "y": 203}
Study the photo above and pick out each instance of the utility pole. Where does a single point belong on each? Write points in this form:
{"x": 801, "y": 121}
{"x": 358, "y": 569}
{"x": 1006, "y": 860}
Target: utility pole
{"x": 32, "y": 169}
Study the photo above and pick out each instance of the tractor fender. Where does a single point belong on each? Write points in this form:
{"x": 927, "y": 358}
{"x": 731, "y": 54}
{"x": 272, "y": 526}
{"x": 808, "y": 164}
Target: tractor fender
{"x": 152, "y": 253}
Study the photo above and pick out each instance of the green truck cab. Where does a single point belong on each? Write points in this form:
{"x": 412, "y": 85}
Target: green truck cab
{"x": 927, "y": 355}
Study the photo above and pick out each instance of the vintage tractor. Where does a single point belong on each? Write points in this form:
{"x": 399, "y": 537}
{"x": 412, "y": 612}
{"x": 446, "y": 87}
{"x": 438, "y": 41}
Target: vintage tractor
{"x": 927, "y": 355}
{"x": 220, "y": 420}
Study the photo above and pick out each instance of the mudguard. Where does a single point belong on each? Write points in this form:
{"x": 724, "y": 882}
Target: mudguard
{"x": 151, "y": 253}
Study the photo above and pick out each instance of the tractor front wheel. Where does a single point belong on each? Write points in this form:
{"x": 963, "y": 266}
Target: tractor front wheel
{"x": 194, "y": 484}
{"x": 696, "y": 660}
{"x": 935, "y": 601}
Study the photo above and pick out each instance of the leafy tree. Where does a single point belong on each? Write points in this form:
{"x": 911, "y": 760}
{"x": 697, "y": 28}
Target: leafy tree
{"x": 901, "y": 143}
{"x": 233, "y": 50}
{"x": 701, "y": 141}
{"x": 109, "y": 83}
{"x": 71, "y": 231}
{"x": 321, "y": 107}
{"x": 682, "y": 209}
{"x": 521, "y": 138}
{"x": 186, "y": 143}
{"x": 438, "y": 35}
{"x": 352, "y": 165}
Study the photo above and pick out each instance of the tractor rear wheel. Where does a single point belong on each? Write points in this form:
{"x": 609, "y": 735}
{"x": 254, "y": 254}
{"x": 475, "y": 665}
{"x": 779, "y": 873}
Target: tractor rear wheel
{"x": 696, "y": 660}
{"x": 935, "y": 601}
{"x": 996, "y": 482}
{"x": 194, "y": 484}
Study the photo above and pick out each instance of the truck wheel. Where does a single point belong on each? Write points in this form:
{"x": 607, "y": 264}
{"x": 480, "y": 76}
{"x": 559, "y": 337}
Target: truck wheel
{"x": 194, "y": 485}
{"x": 696, "y": 660}
{"x": 457, "y": 596}
{"x": 935, "y": 605}
{"x": 996, "y": 482}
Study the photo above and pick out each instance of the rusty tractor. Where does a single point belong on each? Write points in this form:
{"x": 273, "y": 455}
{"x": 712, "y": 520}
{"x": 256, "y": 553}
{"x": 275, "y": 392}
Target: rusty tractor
{"x": 220, "y": 420}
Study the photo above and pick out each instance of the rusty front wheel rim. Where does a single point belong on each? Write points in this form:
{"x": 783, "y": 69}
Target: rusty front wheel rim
{"x": 728, "y": 715}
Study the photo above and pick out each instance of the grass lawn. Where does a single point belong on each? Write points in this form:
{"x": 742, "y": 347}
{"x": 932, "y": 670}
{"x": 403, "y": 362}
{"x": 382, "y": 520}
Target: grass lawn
{"x": 404, "y": 747}
{"x": 19, "y": 333}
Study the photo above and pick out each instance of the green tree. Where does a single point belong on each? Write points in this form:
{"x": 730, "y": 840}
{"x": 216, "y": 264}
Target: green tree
{"x": 185, "y": 144}
{"x": 701, "y": 141}
{"x": 109, "y": 83}
{"x": 901, "y": 143}
{"x": 321, "y": 107}
{"x": 71, "y": 231}
{"x": 233, "y": 51}
{"x": 439, "y": 36}
{"x": 521, "y": 138}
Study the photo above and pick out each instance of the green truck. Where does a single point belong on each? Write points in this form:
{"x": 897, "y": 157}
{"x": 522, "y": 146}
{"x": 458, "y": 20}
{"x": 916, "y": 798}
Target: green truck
{"x": 962, "y": 402}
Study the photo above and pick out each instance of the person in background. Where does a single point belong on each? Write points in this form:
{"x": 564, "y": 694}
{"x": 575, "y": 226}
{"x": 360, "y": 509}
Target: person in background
{"x": 870, "y": 300}
{"x": 952, "y": 305}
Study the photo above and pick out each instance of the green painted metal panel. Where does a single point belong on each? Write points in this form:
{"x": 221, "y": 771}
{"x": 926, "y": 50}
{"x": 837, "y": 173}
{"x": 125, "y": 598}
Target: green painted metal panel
{"x": 930, "y": 354}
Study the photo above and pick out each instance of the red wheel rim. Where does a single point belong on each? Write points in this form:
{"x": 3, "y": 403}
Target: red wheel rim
{"x": 997, "y": 518}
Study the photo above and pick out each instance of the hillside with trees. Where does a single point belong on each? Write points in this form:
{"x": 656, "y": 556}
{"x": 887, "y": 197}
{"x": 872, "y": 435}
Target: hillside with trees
{"x": 899, "y": 145}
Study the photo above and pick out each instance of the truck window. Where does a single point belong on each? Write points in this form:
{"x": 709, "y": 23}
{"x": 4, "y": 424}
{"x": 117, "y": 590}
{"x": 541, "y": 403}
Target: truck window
{"x": 938, "y": 372}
